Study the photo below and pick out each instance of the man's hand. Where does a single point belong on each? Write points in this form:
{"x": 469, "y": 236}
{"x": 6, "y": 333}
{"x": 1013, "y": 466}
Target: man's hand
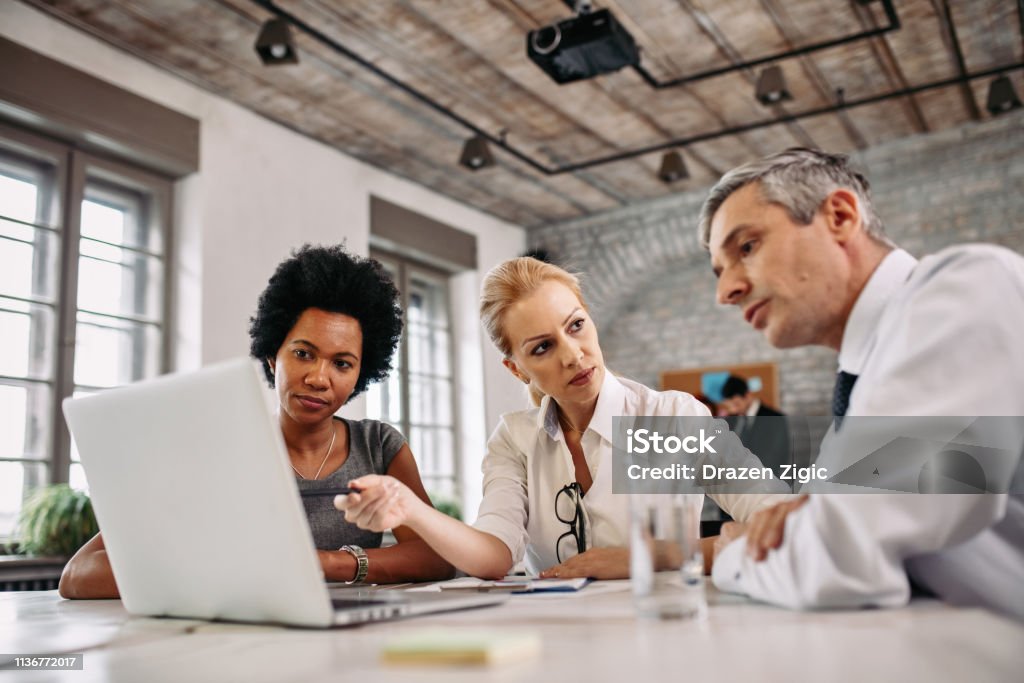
{"x": 596, "y": 563}
{"x": 764, "y": 530}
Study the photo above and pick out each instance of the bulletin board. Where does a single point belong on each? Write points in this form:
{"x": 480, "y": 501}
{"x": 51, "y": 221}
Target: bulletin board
{"x": 763, "y": 379}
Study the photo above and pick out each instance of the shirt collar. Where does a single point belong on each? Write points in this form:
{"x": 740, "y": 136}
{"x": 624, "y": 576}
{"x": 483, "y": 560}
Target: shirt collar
{"x": 610, "y": 403}
{"x": 858, "y": 337}
{"x": 755, "y": 406}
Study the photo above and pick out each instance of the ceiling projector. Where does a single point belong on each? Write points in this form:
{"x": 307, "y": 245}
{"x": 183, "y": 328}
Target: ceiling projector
{"x": 585, "y": 46}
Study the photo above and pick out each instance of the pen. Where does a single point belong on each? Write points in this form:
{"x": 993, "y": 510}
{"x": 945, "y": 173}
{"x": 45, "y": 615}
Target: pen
{"x": 342, "y": 491}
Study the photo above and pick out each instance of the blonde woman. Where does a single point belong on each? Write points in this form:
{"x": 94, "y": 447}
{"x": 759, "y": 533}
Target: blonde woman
{"x": 547, "y": 473}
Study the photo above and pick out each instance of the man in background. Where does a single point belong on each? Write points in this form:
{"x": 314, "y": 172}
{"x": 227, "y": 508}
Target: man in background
{"x": 737, "y": 400}
{"x": 797, "y": 247}
{"x": 761, "y": 428}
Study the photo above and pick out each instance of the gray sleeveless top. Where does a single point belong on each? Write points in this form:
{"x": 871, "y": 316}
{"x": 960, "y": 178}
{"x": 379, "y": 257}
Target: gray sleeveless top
{"x": 372, "y": 445}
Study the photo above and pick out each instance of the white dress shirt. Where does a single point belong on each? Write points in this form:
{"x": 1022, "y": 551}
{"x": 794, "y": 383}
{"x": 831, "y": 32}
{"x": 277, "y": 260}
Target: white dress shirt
{"x": 935, "y": 338}
{"x": 528, "y": 462}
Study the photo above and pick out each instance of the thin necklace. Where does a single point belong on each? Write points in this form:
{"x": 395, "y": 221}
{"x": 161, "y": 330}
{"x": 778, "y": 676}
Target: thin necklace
{"x": 330, "y": 448}
{"x": 568, "y": 423}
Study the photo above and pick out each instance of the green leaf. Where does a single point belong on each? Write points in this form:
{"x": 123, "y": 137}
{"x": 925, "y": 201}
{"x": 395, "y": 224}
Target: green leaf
{"x": 55, "y": 520}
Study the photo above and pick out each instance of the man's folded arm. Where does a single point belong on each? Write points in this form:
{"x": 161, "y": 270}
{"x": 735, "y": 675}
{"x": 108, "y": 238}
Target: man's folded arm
{"x": 848, "y": 550}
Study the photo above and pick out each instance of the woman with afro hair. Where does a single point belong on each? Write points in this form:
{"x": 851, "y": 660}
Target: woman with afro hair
{"x": 326, "y": 327}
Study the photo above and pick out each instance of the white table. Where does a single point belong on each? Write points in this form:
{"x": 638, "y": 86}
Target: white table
{"x": 590, "y": 636}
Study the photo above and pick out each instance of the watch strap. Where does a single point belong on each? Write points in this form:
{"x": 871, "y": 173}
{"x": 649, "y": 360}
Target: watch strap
{"x": 362, "y": 562}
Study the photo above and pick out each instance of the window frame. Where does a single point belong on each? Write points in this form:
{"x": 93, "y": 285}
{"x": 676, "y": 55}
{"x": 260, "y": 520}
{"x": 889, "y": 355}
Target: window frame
{"x": 73, "y": 169}
{"x": 407, "y": 268}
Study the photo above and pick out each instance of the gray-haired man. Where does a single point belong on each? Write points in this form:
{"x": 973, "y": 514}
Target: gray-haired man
{"x": 796, "y": 245}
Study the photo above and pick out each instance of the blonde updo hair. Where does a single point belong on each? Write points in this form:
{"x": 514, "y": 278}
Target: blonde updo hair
{"x": 509, "y": 282}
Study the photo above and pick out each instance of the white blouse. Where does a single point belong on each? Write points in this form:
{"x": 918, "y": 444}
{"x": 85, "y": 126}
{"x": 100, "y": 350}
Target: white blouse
{"x": 528, "y": 462}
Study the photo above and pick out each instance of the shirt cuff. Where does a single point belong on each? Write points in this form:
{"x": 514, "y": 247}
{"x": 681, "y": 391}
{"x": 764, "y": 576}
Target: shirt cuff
{"x": 727, "y": 571}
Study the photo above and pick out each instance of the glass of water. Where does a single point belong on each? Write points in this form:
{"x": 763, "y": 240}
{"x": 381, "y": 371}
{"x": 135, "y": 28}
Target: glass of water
{"x": 665, "y": 559}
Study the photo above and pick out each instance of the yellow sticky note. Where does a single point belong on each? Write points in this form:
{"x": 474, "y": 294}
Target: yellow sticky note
{"x": 456, "y": 647}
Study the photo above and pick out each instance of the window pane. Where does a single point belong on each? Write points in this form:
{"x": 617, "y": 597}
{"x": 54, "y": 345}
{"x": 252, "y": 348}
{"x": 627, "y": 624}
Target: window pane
{"x": 78, "y": 393}
{"x": 103, "y": 221}
{"x": 119, "y": 216}
{"x": 419, "y": 401}
{"x": 77, "y": 478}
{"x": 427, "y": 345}
{"x": 427, "y": 297}
{"x": 26, "y": 344}
{"x": 394, "y": 400}
{"x": 16, "y": 479}
{"x": 430, "y": 401}
{"x": 109, "y": 352}
{"x": 417, "y": 336}
{"x": 118, "y": 281}
{"x": 419, "y": 451}
{"x": 437, "y": 459}
{"x": 428, "y": 350}
{"x": 19, "y": 198}
{"x": 16, "y": 275}
{"x": 374, "y": 402}
{"x": 24, "y": 420}
{"x": 445, "y": 440}
{"x": 29, "y": 256}
{"x": 29, "y": 266}
{"x": 441, "y": 358}
{"x": 384, "y": 401}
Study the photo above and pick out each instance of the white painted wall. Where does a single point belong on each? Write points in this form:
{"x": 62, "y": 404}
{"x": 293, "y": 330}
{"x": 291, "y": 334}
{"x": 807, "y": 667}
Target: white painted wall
{"x": 261, "y": 191}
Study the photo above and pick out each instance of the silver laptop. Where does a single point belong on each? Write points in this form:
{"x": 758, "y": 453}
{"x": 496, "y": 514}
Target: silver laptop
{"x": 200, "y": 514}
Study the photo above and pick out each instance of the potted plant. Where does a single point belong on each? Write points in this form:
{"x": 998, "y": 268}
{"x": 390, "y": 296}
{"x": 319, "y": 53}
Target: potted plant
{"x": 447, "y": 506}
{"x": 55, "y": 520}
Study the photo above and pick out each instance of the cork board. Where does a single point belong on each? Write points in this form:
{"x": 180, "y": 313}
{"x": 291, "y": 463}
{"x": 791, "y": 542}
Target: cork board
{"x": 763, "y": 379}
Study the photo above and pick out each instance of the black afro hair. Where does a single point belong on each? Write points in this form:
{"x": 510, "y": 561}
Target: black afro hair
{"x": 331, "y": 279}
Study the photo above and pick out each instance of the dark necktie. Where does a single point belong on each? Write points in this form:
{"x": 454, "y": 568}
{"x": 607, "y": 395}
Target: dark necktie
{"x": 740, "y": 425}
{"x": 841, "y": 395}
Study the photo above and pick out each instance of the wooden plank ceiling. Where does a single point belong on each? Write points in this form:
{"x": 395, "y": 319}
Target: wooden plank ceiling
{"x": 469, "y": 55}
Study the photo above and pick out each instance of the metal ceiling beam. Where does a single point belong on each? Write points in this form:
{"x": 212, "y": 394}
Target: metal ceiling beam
{"x": 847, "y": 104}
{"x": 889, "y": 66}
{"x": 500, "y": 141}
{"x": 893, "y": 25}
{"x": 781, "y": 19}
{"x": 699, "y": 100}
{"x": 953, "y": 43}
{"x": 1020, "y": 19}
{"x": 711, "y": 30}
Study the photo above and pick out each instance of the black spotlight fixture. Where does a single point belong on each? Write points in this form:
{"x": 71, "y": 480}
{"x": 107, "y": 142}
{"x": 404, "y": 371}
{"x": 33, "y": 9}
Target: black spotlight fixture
{"x": 1001, "y": 96}
{"x": 476, "y": 154}
{"x": 771, "y": 87}
{"x": 673, "y": 168}
{"x": 274, "y": 44}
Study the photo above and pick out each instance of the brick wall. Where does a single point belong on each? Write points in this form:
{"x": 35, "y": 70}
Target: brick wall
{"x": 651, "y": 288}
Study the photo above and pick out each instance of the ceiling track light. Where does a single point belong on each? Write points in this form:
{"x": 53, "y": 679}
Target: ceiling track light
{"x": 476, "y": 154}
{"x": 1001, "y": 96}
{"x": 771, "y": 87}
{"x": 274, "y": 44}
{"x": 673, "y": 168}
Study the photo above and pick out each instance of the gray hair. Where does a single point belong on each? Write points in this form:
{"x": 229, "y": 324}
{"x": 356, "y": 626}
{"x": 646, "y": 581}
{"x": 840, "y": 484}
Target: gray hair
{"x": 798, "y": 180}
